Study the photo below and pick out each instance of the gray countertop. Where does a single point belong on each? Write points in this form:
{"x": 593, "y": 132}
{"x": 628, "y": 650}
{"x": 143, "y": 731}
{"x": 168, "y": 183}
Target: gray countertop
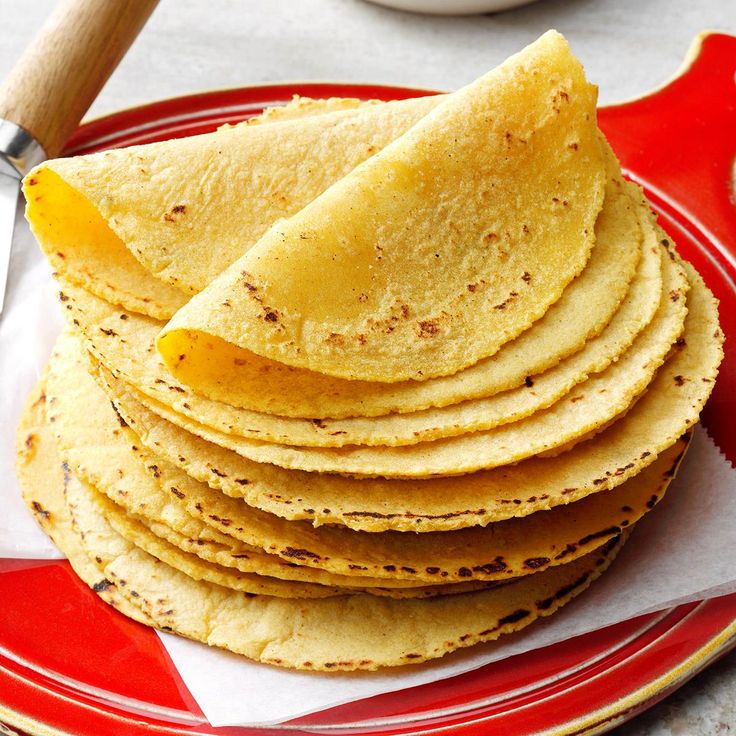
{"x": 627, "y": 46}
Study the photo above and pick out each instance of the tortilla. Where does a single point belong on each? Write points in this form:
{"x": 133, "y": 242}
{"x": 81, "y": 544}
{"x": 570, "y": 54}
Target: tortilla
{"x": 223, "y": 555}
{"x": 47, "y": 485}
{"x": 263, "y": 385}
{"x": 108, "y": 456}
{"x": 536, "y": 394}
{"x": 499, "y": 551}
{"x": 123, "y": 342}
{"x": 88, "y": 509}
{"x": 340, "y": 287}
{"x": 347, "y": 632}
{"x": 589, "y": 405}
{"x": 100, "y": 455}
{"x": 106, "y": 222}
{"x": 670, "y": 406}
{"x": 86, "y": 506}
{"x": 66, "y": 222}
{"x": 42, "y": 479}
{"x": 300, "y": 107}
{"x": 101, "y": 451}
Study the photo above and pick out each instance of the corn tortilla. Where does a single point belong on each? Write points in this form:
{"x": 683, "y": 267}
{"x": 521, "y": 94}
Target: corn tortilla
{"x": 88, "y": 509}
{"x": 358, "y": 632}
{"x": 42, "y": 479}
{"x": 109, "y": 457}
{"x": 345, "y": 632}
{"x": 340, "y": 287}
{"x": 105, "y": 221}
{"x": 300, "y": 107}
{"x": 499, "y": 551}
{"x": 224, "y": 556}
{"x": 589, "y": 405}
{"x": 102, "y": 453}
{"x": 243, "y": 379}
{"x": 669, "y": 407}
{"x": 123, "y": 342}
{"x": 537, "y": 393}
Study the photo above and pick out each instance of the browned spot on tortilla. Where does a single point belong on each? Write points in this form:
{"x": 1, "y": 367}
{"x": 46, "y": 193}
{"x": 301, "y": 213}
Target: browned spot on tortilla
{"x": 610, "y": 531}
{"x": 428, "y": 328}
{"x": 40, "y": 510}
{"x": 545, "y": 603}
{"x": 536, "y": 562}
{"x": 510, "y": 298}
{"x": 512, "y": 618}
{"x": 299, "y": 554}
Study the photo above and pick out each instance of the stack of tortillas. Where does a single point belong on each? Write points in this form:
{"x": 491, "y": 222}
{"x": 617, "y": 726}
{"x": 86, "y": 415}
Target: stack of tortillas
{"x": 355, "y": 385}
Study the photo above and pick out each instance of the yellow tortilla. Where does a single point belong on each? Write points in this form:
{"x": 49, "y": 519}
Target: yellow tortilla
{"x": 42, "y": 479}
{"x": 341, "y": 287}
{"x": 108, "y": 456}
{"x": 101, "y": 451}
{"x": 124, "y": 342}
{"x": 347, "y": 632}
{"x": 536, "y": 394}
{"x": 90, "y": 510}
{"x": 248, "y": 381}
{"x": 588, "y": 406}
{"x": 290, "y": 633}
{"x": 301, "y": 107}
{"x": 223, "y": 555}
{"x": 669, "y": 407}
{"x": 47, "y": 485}
{"x": 105, "y": 221}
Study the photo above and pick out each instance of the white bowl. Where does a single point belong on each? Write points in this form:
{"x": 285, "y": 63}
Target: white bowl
{"x": 452, "y": 7}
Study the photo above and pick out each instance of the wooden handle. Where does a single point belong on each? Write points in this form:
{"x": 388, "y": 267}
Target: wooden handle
{"x": 67, "y": 64}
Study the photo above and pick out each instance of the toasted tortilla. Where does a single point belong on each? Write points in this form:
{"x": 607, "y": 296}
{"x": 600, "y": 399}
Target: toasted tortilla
{"x": 590, "y": 405}
{"x": 358, "y": 632}
{"x": 339, "y": 637}
{"x": 123, "y": 342}
{"x": 90, "y": 510}
{"x": 537, "y": 393}
{"x": 105, "y": 221}
{"x": 341, "y": 287}
{"x": 355, "y": 631}
{"x": 42, "y": 479}
{"x": 669, "y": 407}
{"x": 111, "y": 457}
{"x": 238, "y": 381}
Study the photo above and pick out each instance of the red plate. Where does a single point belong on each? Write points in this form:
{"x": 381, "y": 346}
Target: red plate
{"x": 69, "y": 664}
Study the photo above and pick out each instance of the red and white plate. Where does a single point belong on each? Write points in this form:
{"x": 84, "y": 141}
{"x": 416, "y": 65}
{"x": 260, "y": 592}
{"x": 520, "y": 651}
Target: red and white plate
{"x": 69, "y": 664}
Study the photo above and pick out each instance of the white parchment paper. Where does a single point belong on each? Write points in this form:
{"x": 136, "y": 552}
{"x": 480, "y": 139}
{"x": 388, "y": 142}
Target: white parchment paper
{"x": 28, "y": 327}
{"x": 681, "y": 552}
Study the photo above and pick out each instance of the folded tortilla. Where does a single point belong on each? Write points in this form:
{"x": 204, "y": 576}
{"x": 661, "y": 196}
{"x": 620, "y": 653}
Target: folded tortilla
{"x": 433, "y": 253}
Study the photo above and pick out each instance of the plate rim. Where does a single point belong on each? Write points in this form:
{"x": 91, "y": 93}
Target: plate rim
{"x": 614, "y": 713}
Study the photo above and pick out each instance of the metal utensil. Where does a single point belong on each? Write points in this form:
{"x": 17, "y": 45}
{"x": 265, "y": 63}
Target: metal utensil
{"x": 51, "y": 87}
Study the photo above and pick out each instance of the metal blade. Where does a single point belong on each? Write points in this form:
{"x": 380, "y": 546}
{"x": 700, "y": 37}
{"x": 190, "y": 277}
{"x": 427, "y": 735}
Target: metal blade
{"x": 19, "y": 153}
{"x": 9, "y": 193}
